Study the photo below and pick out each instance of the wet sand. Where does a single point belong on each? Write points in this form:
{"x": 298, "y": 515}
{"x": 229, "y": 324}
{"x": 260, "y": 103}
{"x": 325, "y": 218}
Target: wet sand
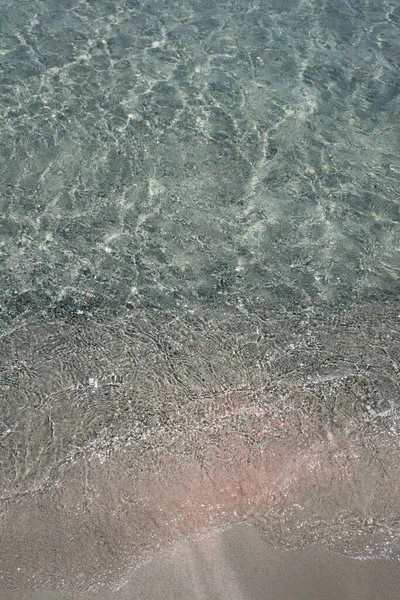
{"x": 107, "y": 516}
{"x": 238, "y": 565}
{"x": 89, "y": 533}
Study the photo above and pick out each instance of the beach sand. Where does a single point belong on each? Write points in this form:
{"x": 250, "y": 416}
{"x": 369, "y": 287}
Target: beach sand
{"x": 58, "y": 543}
{"x": 237, "y": 564}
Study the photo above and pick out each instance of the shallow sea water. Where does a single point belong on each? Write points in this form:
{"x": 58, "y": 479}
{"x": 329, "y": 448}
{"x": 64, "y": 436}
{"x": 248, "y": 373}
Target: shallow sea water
{"x": 199, "y": 253}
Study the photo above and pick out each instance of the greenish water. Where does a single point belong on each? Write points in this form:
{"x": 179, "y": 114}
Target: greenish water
{"x": 199, "y": 209}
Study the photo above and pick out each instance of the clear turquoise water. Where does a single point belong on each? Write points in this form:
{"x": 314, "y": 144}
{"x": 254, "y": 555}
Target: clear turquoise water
{"x": 200, "y": 200}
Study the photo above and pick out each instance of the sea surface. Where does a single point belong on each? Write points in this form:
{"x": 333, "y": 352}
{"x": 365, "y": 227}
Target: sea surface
{"x": 199, "y": 280}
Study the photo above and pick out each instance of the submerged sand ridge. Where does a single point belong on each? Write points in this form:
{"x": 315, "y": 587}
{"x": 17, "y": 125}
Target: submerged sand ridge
{"x": 123, "y": 440}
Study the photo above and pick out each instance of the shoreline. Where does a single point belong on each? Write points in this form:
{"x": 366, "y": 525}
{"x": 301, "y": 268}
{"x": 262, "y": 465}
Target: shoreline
{"x": 236, "y": 564}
